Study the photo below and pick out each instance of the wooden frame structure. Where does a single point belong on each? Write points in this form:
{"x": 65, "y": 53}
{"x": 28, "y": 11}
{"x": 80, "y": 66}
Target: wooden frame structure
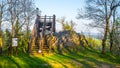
{"x": 43, "y": 26}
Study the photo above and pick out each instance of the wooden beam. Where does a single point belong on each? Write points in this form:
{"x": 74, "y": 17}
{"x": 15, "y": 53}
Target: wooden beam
{"x": 44, "y": 24}
{"x": 54, "y": 23}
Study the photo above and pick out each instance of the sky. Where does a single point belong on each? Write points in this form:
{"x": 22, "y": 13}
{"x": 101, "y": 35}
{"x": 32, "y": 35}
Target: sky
{"x": 64, "y": 8}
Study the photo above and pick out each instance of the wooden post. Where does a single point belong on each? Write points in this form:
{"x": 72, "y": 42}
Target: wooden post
{"x": 44, "y": 27}
{"x": 54, "y": 24}
{"x": 44, "y": 38}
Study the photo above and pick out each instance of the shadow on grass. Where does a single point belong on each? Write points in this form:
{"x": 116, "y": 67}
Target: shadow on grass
{"x": 107, "y": 56}
{"x": 17, "y": 64}
{"x": 26, "y": 61}
{"x": 85, "y": 59}
{"x": 90, "y": 57}
{"x": 58, "y": 61}
{"x": 76, "y": 60}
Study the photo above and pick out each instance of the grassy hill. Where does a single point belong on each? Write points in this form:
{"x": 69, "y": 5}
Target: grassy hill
{"x": 84, "y": 58}
{"x": 69, "y": 50}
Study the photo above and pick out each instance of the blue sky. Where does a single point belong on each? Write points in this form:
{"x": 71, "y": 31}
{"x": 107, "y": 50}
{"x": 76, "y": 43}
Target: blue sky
{"x": 63, "y": 8}
{"x": 66, "y": 8}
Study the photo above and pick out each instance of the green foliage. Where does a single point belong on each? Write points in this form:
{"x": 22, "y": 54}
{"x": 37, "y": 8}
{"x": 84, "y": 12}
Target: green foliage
{"x": 23, "y": 38}
{"x": 6, "y": 41}
{"x": 116, "y": 37}
{"x": 67, "y": 25}
{"x": 24, "y": 42}
{"x": 17, "y": 29}
{"x": 94, "y": 43}
{"x": 22, "y": 61}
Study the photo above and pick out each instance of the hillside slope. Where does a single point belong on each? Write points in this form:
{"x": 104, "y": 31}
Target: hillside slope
{"x": 87, "y": 58}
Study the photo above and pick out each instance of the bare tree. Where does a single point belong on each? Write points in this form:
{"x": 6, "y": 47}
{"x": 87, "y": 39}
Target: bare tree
{"x": 2, "y": 10}
{"x": 2, "y": 7}
{"x": 101, "y": 11}
{"x": 19, "y": 11}
{"x": 29, "y": 14}
{"x": 112, "y": 29}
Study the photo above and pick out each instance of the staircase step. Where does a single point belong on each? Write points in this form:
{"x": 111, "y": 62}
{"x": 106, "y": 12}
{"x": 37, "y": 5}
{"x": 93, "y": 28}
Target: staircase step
{"x": 35, "y": 47}
{"x": 45, "y": 50}
{"x": 45, "y": 46}
{"x": 34, "y": 52}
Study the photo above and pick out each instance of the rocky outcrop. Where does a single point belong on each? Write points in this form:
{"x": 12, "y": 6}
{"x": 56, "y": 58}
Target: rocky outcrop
{"x": 66, "y": 41}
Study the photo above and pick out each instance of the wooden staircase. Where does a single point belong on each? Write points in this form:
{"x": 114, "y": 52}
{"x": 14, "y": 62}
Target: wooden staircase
{"x": 44, "y": 50}
{"x": 34, "y": 50}
{"x": 43, "y": 26}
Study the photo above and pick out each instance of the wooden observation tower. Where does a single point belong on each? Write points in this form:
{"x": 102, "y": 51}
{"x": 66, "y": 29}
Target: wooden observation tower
{"x": 44, "y": 25}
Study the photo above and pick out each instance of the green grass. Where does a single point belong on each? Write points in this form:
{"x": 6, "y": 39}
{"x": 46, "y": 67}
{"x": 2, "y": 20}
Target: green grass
{"x": 87, "y": 58}
{"x": 22, "y": 61}
{"x": 95, "y": 43}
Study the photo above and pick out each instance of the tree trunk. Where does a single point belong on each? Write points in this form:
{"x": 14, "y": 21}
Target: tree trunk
{"x": 105, "y": 36}
{"x": 112, "y": 31}
{"x": 111, "y": 41}
{"x": 0, "y": 19}
{"x": 111, "y": 37}
{"x": 11, "y": 48}
{"x": 0, "y": 33}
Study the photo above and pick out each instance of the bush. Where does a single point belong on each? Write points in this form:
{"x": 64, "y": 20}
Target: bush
{"x": 94, "y": 43}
